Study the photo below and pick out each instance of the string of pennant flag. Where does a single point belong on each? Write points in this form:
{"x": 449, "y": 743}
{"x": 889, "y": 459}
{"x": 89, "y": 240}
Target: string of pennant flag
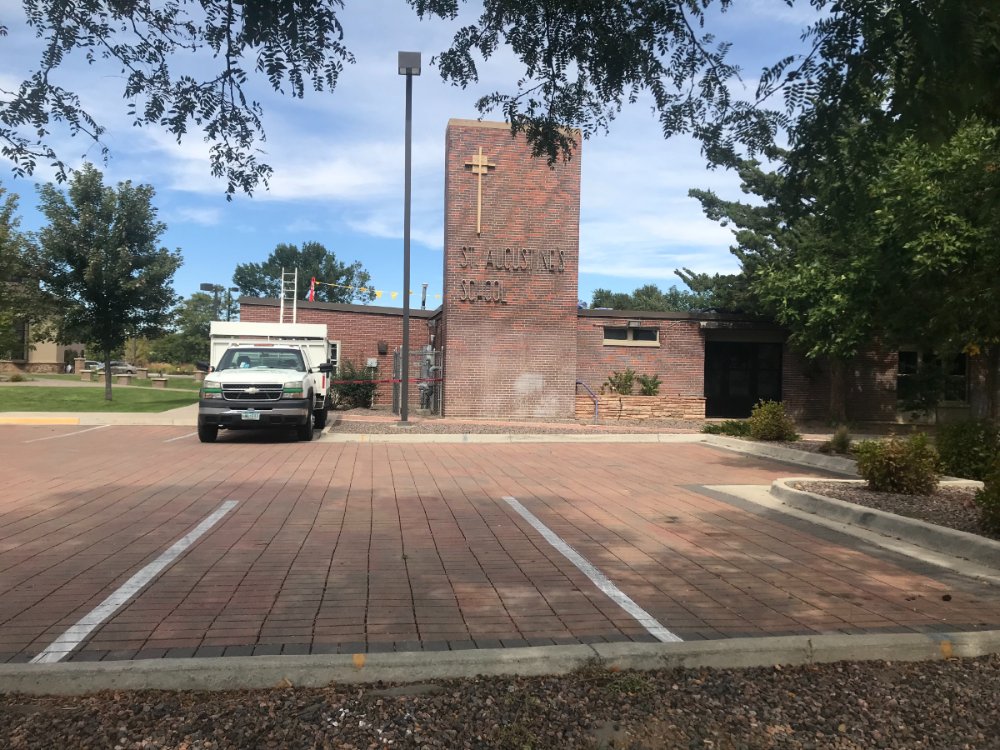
{"x": 314, "y": 282}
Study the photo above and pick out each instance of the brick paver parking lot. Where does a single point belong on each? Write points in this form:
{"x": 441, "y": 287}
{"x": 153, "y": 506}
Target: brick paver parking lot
{"x": 350, "y": 547}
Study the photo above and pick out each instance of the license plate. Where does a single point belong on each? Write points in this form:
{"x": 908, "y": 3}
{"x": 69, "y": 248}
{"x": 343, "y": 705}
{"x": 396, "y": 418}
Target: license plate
{"x": 251, "y": 416}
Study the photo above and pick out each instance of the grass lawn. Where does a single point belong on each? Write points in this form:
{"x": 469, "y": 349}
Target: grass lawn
{"x": 41, "y": 398}
{"x": 187, "y": 383}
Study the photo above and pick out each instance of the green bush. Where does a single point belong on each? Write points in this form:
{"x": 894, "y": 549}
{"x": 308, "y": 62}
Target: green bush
{"x": 988, "y": 499}
{"x": 620, "y": 382}
{"x": 649, "y": 384}
{"x": 356, "y": 387}
{"x": 908, "y": 466}
{"x": 732, "y": 427}
{"x": 841, "y": 440}
{"x": 17, "y": 378}
{"x": 968, "y": 449}
{"x": 768, "y": 421}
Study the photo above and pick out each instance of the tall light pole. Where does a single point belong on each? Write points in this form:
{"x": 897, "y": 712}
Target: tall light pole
{"x": 409, "y": 66}
{"x": 215, "y": 289}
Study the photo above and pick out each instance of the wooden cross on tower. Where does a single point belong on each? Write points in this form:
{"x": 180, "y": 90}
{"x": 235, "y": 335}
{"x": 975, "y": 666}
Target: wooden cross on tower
{"x": 480, "y": 166}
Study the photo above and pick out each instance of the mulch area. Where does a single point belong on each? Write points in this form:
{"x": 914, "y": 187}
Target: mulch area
{"x": 945, "y": 704}
{"x": 953, "y": 507}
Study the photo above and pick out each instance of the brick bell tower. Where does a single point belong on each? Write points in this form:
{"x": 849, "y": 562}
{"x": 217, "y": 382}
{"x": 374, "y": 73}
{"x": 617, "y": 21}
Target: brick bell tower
{"x": 511, "y": 261}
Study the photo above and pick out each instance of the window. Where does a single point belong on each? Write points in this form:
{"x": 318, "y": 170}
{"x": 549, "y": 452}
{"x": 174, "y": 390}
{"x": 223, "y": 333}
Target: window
{"x": 923, "y": 379}
{"x": 631, "y": 336}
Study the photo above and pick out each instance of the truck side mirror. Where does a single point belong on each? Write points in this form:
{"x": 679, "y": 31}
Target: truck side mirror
{"x": 326, "y": 367}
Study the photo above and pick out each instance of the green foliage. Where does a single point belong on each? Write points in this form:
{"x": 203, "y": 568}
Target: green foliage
{"x": 988, "y": 499}
{"x": 841, "y": 440}
{"x": 731, "y": 427}
{"x": 17, "y": 378}
{"x": 189, "y": 341}
{"x": 968, "y": 449}
{"x": 356, "y": 388}
{"x": 909, "y": 467}
{"x": 768, "y": 421}
{"x": 294, "y": 44}
{"x": 20, "y": 298}
{"x": 649, "y": 385}
{"x": 620, "y": 382}
{"x": 101, "y": 263}
{"x": 313, "y": 260}
{"x": 650, "y": 297}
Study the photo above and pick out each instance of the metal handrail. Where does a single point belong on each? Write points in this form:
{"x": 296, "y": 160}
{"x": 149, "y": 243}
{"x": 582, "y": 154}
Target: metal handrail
{"x": 593, "y": 395}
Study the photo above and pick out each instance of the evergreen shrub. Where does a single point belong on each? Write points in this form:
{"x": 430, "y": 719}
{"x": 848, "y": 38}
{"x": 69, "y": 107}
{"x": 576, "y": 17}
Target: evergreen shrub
{"x": 968, "y": 449}
{"x": 908, "y": 467}
{"x": 768, "y": 421}
{"x": 356, "y": 386}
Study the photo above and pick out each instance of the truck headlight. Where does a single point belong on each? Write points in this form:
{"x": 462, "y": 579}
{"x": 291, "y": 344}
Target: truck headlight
{"x": 292, "y": 389}
{"x": 211, "y": 390}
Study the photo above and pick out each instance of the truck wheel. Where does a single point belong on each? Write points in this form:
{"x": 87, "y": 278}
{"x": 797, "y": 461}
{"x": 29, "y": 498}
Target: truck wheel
{"x": 207, "y": 433}
{"x": 319, "y": 418}
{"x": 305, "y": 431}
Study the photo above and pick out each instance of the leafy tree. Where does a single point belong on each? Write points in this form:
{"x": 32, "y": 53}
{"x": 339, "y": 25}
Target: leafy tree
{"x": 313, "y": 260}
{"x": 21, "y": 300}
{"x": 189, "y": 341}
{"x": 921, "y": 63}
{"x": 650, "y": 297}
{"x": 101, "y": 264}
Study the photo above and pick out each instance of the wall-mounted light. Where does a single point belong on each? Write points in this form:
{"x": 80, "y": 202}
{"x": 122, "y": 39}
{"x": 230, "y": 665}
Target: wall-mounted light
{"x": 383, "y": 347}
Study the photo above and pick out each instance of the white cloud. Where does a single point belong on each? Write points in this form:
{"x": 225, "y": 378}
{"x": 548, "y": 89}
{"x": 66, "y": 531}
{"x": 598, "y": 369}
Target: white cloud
{"x": 206, "y": 216}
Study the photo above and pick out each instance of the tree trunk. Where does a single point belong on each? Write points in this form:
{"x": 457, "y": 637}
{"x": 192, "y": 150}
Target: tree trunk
{"x": 107, "y": 376}
{"x": 838, "y": 390}
{"x": 992, "y": 353}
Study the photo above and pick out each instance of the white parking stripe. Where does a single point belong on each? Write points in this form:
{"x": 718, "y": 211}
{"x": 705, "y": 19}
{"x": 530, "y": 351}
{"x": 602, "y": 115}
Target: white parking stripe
{"x": 598, "y": 578}
{"x": 75, "y": 634}
{"x": 190, "y": 434}
{"x": 68, "y": 434}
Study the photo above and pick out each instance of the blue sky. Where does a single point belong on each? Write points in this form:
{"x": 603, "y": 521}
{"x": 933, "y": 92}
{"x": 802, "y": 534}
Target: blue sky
{"x": 338, "y": 161}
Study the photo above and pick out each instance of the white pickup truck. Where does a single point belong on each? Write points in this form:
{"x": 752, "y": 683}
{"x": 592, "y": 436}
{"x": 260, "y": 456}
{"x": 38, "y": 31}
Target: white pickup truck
{"x": 265, "y": 375}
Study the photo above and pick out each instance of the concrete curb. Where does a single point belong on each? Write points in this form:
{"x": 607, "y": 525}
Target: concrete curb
{"x": 927, "y": 535}
{"x": 238, "y": 673}
{"x": 834, "y": 464}
{"x": 40, "y": 420}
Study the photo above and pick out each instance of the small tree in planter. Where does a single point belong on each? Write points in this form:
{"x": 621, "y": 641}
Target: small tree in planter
{"x": 649, "y": 384}
{"x": 620, "y": 382}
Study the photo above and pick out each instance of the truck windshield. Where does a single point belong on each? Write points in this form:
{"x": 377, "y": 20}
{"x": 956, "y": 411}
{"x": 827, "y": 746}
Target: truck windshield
{"x": 275, "y": 359}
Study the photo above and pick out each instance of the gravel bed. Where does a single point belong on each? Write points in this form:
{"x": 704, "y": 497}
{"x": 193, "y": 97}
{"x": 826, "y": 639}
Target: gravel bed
{"x": 953, "y": 507}
{"x": 944, "y": 704}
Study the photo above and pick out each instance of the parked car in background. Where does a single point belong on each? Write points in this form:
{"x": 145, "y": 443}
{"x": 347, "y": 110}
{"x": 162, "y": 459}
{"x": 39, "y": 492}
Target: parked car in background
{"x": 90, "y": 364}
{"x": 118, "y": 367}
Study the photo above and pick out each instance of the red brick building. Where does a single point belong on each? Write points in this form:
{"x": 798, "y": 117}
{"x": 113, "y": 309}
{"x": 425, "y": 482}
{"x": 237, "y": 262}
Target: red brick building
{"x": 515, "y": 344}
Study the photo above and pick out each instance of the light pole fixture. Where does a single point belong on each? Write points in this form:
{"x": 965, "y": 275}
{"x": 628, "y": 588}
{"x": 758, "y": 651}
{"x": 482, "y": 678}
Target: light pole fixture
{"x": 216, "y": 290}
{"x": 409, "y": 66}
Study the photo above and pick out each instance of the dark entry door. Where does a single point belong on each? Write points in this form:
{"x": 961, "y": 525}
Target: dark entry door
{"x": 738, "y": 375}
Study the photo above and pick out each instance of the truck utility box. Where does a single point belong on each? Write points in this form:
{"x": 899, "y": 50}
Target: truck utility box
{"x": 265, "y": 375}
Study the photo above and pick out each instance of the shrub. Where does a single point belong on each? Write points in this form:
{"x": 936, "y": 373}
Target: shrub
{"x": 732, "y": 427}
{"x": 649, "y": 384}
{"x": 357, "y": 386}
{"x": 768, "y": 421}
{"x": 908, "y": 466}
{"x": 841, "y": 440}
{"x": 621, "y": 382}
{"x": 17, "y": 378}
{"x": 988, "y": 499}
{"x": 968, "y": 449}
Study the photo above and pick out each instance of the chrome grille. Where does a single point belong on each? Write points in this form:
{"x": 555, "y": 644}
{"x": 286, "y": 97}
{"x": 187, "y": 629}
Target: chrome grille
{"x": 252, "y": 392}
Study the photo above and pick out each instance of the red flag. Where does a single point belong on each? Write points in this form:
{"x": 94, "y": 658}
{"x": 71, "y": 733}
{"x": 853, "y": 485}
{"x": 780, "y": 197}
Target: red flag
{"x": 312, "y": 289}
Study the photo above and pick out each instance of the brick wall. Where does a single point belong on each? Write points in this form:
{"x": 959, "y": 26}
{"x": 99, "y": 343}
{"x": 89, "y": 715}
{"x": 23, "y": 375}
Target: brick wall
{"x": 510, "y": 291}
{"x": 359, "y": 329}
{"x": 871, "y": 390}
{"x": 679, "y": 360}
